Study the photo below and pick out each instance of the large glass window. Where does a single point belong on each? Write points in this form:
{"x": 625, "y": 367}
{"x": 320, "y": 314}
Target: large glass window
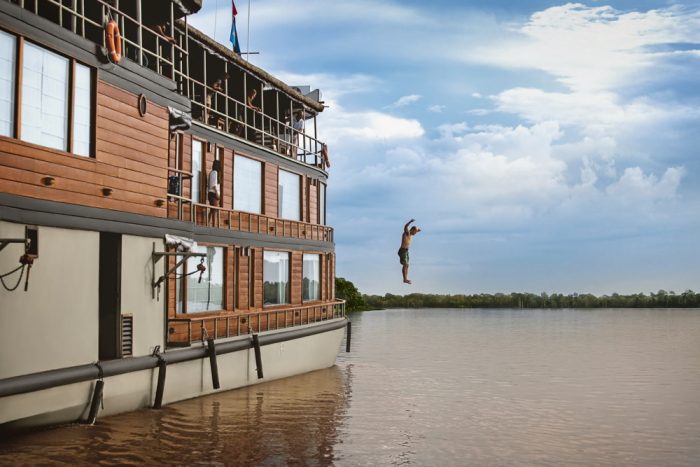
{"x": 207, "y": 295}
{"x": 289, "y": 195}
{"x": 311, "y": 287}
{"x": 7, "y": 83}
{"x": 82, "y": 110}
{"x": 247, "y": 185}
{"x": 276, "y": 278}
{"x": 322, "y": 203}
{"x": 197, "y": 151}
{"x": 44, "y": 97}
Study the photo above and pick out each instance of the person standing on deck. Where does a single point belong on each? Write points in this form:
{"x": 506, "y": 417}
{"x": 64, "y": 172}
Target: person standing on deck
{"x": 214, "y": 191}
{"x": 406, "y": 238}
{"x": 298, "y": 127}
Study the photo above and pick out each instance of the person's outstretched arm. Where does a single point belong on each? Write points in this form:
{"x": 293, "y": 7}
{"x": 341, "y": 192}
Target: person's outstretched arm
{"x": 405, "y": 227}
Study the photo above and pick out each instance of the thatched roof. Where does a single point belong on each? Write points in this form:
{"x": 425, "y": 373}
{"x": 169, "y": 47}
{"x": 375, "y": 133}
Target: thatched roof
{"x": 258, "y": 72}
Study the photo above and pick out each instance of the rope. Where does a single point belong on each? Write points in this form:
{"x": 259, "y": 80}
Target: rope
{"x": 11, "y": 289}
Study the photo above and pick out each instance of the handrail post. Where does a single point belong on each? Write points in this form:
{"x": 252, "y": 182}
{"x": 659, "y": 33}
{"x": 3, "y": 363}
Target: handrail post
{"x": 139, "y": 17}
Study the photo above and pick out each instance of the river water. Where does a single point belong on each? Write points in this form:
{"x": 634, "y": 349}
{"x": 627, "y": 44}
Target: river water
{"x": 436, "y": 388}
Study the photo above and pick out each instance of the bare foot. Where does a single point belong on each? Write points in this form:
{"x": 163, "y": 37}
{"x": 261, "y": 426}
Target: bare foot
{"x": 406, "y": 281}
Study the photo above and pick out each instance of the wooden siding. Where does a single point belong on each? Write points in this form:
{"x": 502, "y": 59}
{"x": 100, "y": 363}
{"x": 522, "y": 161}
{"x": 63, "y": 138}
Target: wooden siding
{"x": 227, "y": 179}
{"x": 257, "y": 254}
{"x": 296, "y": 277}
{"x": 130, "y": 158}
{"x": 243, "y": 280}
{"x": 270, "y": 188}
{"x": 313, "y": 202}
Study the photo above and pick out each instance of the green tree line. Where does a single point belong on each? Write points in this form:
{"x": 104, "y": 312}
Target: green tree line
{"x": 662, "y": 299}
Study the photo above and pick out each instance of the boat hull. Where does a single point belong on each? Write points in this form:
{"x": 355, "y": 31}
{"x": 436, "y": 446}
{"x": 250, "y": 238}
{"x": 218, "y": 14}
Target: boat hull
{"x": 184, "y": 380}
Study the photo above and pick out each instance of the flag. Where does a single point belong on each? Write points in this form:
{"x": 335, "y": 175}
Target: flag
{"x": 234, "y": 35}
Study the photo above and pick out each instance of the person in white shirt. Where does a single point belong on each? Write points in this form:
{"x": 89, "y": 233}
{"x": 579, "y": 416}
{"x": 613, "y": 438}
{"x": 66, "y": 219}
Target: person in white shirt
{"x": 298, "y": 126}
{"x": 214, "y": 189}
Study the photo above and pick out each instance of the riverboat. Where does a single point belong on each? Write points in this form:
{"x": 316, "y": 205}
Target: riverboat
{"x": 123, "y": 285}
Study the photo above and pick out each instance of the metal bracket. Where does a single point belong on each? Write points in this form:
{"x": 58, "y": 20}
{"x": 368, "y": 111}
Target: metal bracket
{"x": 6, "y": 241}
{"x": 157, "y": 255}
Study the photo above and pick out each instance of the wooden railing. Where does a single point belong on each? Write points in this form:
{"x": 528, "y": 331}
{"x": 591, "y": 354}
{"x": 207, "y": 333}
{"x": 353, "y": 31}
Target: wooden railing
{"x": 184, "y": 331}
{"x": 198, "y": 213}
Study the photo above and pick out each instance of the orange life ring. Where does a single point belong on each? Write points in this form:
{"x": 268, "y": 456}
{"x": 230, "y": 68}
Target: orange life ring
{"x": 114, "y": 41}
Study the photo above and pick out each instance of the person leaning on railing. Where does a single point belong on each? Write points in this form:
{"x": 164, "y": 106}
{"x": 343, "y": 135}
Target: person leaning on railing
{"x": 216, "y": 86}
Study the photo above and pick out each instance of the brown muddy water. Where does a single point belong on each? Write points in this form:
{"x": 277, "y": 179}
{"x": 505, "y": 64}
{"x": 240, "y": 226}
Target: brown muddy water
{"x": 435, "y": 388}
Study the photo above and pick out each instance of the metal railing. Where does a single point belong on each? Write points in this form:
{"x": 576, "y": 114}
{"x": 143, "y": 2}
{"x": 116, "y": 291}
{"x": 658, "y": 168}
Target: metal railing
{"x": 140, "y": 43}
{"x": 215, "y": 108}
{"x": 184, "y": 331}
{"x": 170, "y": 59}
{"x": 200, "y": 214}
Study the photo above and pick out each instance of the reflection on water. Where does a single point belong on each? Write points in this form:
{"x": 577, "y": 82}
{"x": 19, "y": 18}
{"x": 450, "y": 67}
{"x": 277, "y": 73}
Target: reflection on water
{"x": 437, "y": 387}
{"x": 291, "y": 421}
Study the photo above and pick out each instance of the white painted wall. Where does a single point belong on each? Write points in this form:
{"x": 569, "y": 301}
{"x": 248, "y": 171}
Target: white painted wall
{"x": 55, "y": 323}
{"x": 136, "y": 298}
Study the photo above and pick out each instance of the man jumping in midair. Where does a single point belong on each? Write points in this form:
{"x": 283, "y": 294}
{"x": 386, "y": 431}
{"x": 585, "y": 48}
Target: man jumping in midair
{"x": 406, "y": 238}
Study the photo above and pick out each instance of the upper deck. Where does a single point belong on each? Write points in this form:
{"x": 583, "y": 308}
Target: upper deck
{"x": 216, "y": 82}
{"x": 129, "y": 154}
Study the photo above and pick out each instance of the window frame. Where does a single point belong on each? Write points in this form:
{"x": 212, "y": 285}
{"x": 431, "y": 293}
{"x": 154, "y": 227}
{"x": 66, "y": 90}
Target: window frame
{"x": 322, "y": 200}
{"x": 181, "y": 285}
{"x": 201, "y": 182}
{"x": 288, "y": 290}
{"x": 17, "y": 43}
{"x": 16, "y": 111}
{"x": 280, "y": 195}
{"x": 318, "y": 255}
{"x": 261, "y": 198}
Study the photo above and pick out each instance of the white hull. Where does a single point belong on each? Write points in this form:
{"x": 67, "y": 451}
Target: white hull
{"x": 132, "y": 391}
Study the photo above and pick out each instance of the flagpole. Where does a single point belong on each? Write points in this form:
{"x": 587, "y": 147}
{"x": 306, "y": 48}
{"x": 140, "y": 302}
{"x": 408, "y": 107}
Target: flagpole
{"x": 247, "y": 46}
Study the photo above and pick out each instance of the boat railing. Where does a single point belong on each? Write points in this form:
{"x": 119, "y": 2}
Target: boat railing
{"x": 184, "y": 331}
{"x": 217, "y": 109}
{"x": 184, "y": 209}
{"x": 140, "y": 43}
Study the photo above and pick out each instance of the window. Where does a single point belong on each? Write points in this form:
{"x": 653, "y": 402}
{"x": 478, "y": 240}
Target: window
{"x": 289, "y": 195}
{"x": 247, "y": 185}
{"x": 322, "y": 204}
{"x": 276, "y": 278}
{"x": 82, "y": 110}
{"x": 7, "y": 83}
{"x": 44, "y": 97}
{"x": 311, "y": 287}
{"x": 194, "y": 296}
{"x": 56, "y": 103}
{"x": 197, "y": 152}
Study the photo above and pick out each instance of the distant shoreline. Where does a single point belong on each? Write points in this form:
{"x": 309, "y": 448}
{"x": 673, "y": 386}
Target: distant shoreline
{"x": 356, "y": 301}
{"x": 662, "y": 299}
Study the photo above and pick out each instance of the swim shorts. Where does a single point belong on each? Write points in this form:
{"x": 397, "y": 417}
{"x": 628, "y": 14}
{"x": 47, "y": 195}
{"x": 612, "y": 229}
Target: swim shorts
{"x": 403, "y": 255}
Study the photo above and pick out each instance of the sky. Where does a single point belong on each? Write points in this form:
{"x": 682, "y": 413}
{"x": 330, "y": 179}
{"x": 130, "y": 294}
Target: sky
{"x": 541, "y": 146}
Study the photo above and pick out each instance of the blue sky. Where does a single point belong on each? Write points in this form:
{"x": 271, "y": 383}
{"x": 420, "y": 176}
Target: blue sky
{"x": 541, "y": 146}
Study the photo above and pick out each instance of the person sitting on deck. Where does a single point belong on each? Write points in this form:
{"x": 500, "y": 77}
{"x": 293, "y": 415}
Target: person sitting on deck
{"x": 406, "y": 238}
{"x": 214, "y": 190}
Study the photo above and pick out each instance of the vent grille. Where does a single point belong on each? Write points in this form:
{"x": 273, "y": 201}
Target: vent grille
{"x": 127, "y": 335}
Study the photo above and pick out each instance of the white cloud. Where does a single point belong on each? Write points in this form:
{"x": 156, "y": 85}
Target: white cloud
{"x": 370, "y": 125}
{"x": 403, "y": 101}
{"x": 635, "y": 185}
{"x": 436, "y": 108}
{"x": 590, "y": 49}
